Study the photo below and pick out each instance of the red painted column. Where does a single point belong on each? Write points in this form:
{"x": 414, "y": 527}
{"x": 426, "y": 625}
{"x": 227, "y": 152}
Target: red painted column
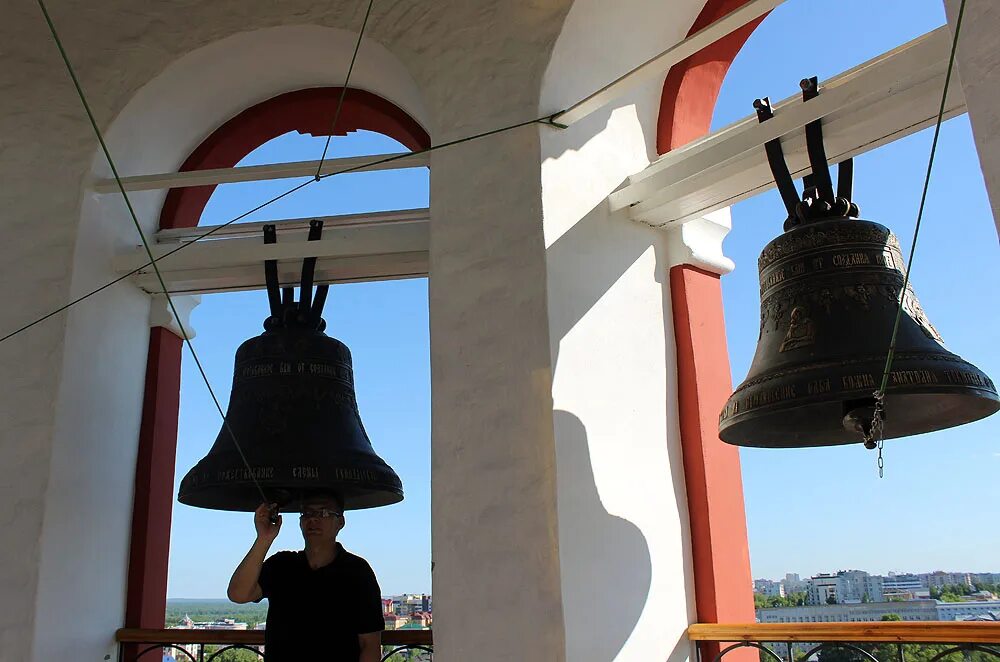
{"x": 146, "y": 598}
{"x": 723, "y": 583}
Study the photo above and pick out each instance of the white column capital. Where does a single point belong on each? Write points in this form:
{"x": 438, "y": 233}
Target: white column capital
{"x": 698, "y": 242}
{"x": 160, "y": 313}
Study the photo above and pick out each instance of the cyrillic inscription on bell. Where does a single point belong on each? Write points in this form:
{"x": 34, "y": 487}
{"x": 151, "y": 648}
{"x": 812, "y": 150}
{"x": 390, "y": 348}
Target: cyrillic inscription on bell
{"x": 830, "y": 287}
{"x": 829, "y": 291}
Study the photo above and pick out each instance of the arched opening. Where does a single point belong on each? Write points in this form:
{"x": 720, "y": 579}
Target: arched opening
{"x": 265, "y": 131}
{"x": 789, "y": 492}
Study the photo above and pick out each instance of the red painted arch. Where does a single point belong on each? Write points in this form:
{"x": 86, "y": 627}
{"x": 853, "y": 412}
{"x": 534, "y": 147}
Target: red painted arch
{"x": 306, "y": 111}
{"x": 713, "y": 480}
{"x": 692, "y": 86}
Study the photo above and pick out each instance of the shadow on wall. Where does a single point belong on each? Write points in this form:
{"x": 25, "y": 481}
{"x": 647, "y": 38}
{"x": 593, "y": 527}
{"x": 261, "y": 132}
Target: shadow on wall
{"x": 607, "y": 593}
{"x": 606, "y": 560}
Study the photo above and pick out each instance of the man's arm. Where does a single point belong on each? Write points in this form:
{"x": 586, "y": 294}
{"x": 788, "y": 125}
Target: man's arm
{"x": 371, "y": 647}
{"x": 244, "y": 586}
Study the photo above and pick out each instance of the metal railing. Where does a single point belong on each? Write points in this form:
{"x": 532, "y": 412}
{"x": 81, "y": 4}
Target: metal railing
{"x": 143, "y": 645}
{"x": 882, "y": 641}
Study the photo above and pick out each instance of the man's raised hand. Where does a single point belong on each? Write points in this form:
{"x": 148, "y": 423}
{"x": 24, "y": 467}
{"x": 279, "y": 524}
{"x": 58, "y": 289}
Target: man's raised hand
{"x": 262, "y": 521}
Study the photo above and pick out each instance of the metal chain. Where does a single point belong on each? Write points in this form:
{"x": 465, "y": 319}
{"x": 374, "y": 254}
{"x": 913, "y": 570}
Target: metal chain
{"x": 877, "y": 426}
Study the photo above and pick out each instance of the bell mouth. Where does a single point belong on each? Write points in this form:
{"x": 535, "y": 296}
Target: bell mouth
{"x": 837, "y": 422}
{"x": 246, "y": 497}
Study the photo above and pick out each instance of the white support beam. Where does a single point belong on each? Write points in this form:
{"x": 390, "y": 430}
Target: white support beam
{"x": 353, "y": 248}
{"x": 887, "y": 98}
{"x": 264, "y": 172}
{"x": 256, "y": 229}
{"x": 659, "y": 65}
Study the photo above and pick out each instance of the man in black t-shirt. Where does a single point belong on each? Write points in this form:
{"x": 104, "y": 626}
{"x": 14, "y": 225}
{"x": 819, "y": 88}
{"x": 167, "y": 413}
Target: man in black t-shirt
{"x": 324, "y": 603}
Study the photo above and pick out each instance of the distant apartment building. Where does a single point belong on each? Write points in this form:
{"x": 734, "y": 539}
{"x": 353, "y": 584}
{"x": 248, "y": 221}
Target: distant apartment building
{"x": 975, "y": 610}
{"x": 410, "y": 603}
{"x": 793, "y": 584}
{"x": 939, "y": 579}
{"x": 917, "y": 610}
{"x": 985, "y": 577}
{"x": 769, "y": 587}
{"x": 858, "y": 586}
{"x": 395, "y": 621}
{"x": 421, "y": 619}
{"x": 846, "y": 586}
{"x": 904, "y": 587}
{"x": 821, "y": 589}
{"x": 220, "y": 624}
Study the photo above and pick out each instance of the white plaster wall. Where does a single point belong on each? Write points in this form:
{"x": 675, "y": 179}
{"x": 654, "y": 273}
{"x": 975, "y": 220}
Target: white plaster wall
{"x": 625, "y": 562}
{"x": 493, "y": 460}
{"x": 978, "y": 63}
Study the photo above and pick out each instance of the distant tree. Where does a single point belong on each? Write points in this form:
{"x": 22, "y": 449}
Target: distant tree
{"x": 865, "y": 598}
{"x": 831, "y": 600}
{"x": 761, "y": 601}
{"x": 891, "y": 617}
{"x": 232, "y": 655}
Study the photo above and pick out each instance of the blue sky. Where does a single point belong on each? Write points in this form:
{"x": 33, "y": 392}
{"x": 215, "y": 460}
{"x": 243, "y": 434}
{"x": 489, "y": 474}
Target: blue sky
{"x": 808, "y": 510}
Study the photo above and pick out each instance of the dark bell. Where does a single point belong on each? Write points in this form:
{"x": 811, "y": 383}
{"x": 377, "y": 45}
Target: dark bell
{"x": 830, "y": 287}
{"x": 829, "y": 293}
{"x": 294, "y": 415}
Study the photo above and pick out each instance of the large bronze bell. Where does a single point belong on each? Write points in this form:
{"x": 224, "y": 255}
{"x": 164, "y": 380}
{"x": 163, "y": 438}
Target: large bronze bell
{"x": 830, "y": 288}
{"x": 294, "y": 416}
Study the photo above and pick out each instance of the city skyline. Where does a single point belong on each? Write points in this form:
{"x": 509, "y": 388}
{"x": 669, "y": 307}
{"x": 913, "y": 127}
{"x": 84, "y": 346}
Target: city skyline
{"x": 883, "y": 574}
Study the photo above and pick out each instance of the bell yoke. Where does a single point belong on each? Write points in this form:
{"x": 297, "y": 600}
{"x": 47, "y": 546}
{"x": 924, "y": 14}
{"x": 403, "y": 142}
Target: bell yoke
{"x": 292, "y": 429}
{"x": 829, "y": 290}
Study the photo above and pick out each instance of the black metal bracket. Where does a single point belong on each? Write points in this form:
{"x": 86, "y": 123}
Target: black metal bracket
{"x": 271, "y": 273}
{"x": 285, "y": 311}
{"x": 779, "y": 169}
{"x": 818, "y": 198}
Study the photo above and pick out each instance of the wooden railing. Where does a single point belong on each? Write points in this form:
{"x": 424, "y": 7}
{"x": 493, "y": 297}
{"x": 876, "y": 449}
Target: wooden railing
{"x": 142, "y": 642}
{"x": 924, "y": 632}
{"x": 882, "y": 641}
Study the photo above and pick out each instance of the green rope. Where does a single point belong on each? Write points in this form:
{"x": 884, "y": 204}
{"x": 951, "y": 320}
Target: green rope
{"x": 546, "y": 121}
{"x": 343, "y": 90}
{"x": 142, "y": 236}
{"x": 923, "y": 199}
{"x": 876, "y": 436}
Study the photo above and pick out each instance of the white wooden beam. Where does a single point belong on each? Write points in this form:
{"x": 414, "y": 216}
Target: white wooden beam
{"x": 887, "y": 98}
{"x": 264, "y": 172}
{"x": 256, "y": 229}
{"x": 659, "y": 65}
{"x": 353, "y": 248}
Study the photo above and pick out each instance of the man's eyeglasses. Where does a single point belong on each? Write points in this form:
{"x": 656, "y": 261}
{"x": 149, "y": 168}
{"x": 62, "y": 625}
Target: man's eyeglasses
{"x": 321, "y": 513}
